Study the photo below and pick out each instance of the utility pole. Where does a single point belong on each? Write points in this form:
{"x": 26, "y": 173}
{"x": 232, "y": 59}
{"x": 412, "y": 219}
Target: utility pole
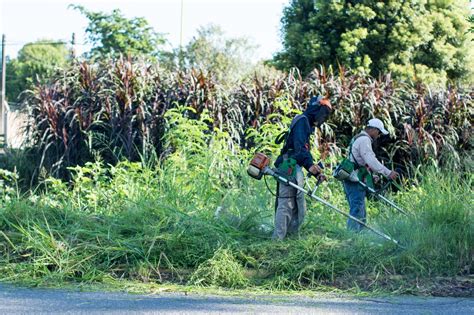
{"x": 3, "y": 111}
{"x": 73, "y": 46}
{"x": 181, "y": 28}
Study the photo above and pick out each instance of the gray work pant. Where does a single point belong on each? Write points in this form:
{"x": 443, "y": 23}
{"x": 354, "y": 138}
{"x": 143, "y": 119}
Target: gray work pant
{"x": 290, "y": 208}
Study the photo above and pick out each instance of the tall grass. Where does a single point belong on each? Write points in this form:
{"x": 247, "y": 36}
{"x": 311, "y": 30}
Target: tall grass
{"x": 153, "y": 224}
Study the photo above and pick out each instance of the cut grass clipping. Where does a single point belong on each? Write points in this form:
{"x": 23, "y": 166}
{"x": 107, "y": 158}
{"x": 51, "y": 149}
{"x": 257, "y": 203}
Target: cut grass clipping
{"x": 222, "y": 270}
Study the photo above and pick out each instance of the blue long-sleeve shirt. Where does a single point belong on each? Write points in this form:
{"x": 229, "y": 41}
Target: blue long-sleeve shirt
{"x": 297, "y": 145}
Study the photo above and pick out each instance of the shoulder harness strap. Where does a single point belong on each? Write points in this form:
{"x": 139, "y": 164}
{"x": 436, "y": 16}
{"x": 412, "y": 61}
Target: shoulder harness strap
{"x": 286, "y": 134}
{"x": 352, "y": 142}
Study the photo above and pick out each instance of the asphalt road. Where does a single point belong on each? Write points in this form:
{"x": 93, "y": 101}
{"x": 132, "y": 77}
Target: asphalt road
{"x": 16, "y": 300}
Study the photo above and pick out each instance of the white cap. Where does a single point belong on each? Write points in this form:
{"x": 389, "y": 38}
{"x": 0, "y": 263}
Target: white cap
{"x": 377, "y": 123}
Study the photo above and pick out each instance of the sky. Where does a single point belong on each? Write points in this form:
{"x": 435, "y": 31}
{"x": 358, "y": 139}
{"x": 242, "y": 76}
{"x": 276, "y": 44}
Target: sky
{"x": 24, "y": 21}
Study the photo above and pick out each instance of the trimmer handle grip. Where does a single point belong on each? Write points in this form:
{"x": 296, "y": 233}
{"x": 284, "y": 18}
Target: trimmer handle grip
{"x": 320, "y": 177}
{"x": 321, "y": 166}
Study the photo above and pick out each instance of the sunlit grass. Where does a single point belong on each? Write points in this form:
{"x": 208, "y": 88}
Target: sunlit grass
{"x": 151, "y": 225}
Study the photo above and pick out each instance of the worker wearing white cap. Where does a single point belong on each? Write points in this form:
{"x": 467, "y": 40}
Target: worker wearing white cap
{"x": 363, "y": 156}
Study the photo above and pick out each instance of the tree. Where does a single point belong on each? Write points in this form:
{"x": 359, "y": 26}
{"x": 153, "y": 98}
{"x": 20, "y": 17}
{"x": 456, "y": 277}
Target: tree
{"x": 113, "y": 34}
{"x": 421, "y": 40}
{"x": 227, "y": 58}
{"x": 36, "y": 62}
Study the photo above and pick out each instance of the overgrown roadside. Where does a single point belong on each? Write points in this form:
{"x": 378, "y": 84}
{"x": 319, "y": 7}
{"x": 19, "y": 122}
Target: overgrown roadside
{"x": 138, "y": 223}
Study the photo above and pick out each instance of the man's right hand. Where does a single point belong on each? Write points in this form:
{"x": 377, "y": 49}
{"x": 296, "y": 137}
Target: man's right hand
{"x": 393, "y": 175}
{"x": 315, "y": 169}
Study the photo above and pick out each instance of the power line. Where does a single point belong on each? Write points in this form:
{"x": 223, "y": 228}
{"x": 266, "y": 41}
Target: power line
{"x": 44, "y": 43}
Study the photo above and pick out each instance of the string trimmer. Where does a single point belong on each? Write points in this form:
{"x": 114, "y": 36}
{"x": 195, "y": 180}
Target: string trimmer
{"x": 259, "y": 167}
{"x": 380, "y": 196}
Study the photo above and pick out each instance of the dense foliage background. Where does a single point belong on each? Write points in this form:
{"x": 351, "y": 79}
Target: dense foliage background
{"x": 423, "y": 41}
{"x": 116, "y": 108}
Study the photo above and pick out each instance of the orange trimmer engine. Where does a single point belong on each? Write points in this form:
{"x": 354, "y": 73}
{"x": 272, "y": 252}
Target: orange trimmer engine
{"x": 257, "y": 165}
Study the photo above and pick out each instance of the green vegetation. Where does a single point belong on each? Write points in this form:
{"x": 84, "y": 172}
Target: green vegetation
{"x": 135, "y": 169}
{"x": 36, "y": 63}
{"x": 228, "y": 59}
{"x": 427, "y": 41}
{"x": 194, "y": 217}
{"x": 220, "y": 270}
{"x": 113, "y": 34}
{"x": 117, "y": 109}
{"x": 179, "y": 223}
